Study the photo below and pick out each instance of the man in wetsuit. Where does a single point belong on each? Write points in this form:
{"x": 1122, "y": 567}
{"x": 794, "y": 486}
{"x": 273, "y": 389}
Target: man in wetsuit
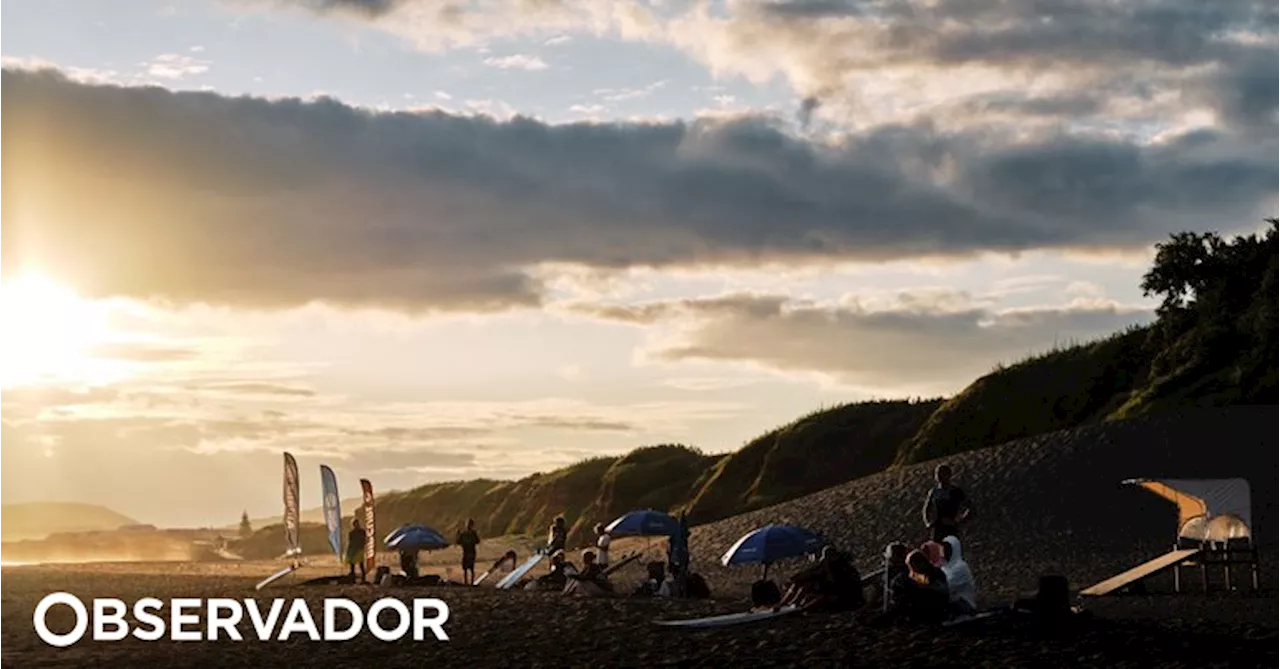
{"x": 355, "y": 550}
{"x": 468, "y": 539}
{"x": 945, "y": 507}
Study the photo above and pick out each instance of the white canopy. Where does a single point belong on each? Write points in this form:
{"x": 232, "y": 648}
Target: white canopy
{"x": 1208, "y": 509}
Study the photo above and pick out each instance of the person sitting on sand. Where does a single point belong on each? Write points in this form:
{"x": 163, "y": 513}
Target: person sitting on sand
{"x": 561, "y": 569}
{"x": 656, "y": 584}
{"x": 946, "y": 506}
{"x": 355, "y": 550}
{"x": 468, "y": 539}
{"x": 591, "y": 581}
{"x": 960, "y": 583}
{"x": 833, "y": 583}
{"x": 409, "y": 562}
{"x": 557, "y": 536}
{"x": 765, "y": 593}
{"x": 896, "y": 575}
{"x": 935, "y": 552}
{"x": 927, "y": 597}
{"x": 602, "y": 545}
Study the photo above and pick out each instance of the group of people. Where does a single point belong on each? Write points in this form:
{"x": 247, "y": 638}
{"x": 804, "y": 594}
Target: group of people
{"x": 928, "y": 584}
{"x": 933, "y": 582}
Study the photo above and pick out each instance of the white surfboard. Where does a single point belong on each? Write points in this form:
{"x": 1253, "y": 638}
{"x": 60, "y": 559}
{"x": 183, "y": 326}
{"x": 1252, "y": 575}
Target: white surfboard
{"x": 515, "y": 576}
{"x": 731, "y": 618}
{"x": 276, "y": 576}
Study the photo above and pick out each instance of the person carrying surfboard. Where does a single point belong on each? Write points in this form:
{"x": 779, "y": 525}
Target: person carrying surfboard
{"x": 946, "y": 506}
{"x": 355, "y": 550}
{"x": 468, "y": 539}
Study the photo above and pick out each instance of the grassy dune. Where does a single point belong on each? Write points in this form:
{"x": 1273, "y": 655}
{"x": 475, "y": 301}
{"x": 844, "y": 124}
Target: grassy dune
{"x": 1213, "y": 345}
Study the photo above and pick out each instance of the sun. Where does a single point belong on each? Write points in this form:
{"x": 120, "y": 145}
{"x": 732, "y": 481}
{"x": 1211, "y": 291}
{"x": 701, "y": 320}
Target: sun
{"x": 47, "y": 333}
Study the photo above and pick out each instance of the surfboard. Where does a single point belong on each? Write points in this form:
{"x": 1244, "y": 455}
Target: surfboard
{"x": 731, "y": 618}
{"x": 626, "y": 560}
{"x": 960, "y": 620}
{"x": 514, "y": 577}
{"x": 276, "y": 576}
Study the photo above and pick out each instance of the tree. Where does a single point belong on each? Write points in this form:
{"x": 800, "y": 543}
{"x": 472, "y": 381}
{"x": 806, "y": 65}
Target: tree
{"x": 246, "y": 529}
{"x": 1183, "y": 268}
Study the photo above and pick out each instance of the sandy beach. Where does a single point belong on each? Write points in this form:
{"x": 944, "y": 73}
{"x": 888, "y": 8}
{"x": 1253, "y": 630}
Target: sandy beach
{"x": 488, "y": 628}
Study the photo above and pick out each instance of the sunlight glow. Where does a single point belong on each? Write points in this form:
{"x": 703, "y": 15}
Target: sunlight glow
{"x": 47, "y": 333}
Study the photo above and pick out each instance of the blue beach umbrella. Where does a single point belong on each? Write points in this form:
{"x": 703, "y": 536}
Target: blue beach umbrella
{"x": 644, "y": 523}
{"x": 419, "y": 537}
{"x": 771, "y": 543}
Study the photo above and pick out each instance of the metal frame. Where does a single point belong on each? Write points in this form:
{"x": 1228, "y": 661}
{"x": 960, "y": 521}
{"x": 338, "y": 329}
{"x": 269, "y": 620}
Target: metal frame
{"x": 1223, "y": 554}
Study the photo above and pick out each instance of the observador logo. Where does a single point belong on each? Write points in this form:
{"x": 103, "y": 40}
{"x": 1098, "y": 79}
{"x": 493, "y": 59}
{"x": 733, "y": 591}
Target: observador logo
{"x": 223, "y": 617}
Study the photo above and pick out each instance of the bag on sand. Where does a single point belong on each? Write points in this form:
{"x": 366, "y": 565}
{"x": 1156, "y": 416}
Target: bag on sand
{"x": 765, "y": 593}
{"x": 696, "y": 587}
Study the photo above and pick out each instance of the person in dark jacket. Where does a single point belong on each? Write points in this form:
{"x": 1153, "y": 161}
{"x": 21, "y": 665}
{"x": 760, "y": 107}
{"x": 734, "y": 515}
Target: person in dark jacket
{"x": 355, "y": 550}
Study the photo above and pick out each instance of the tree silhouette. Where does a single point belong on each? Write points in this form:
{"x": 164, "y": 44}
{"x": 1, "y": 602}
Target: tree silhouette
{"x": 246, "y": 529}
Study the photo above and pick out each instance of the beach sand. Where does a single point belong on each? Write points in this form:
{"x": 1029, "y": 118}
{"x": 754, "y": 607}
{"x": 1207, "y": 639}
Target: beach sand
{"x": 488, "y": 628}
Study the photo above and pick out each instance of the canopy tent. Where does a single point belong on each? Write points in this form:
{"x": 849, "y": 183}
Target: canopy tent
{"x": 1208, "y": 509}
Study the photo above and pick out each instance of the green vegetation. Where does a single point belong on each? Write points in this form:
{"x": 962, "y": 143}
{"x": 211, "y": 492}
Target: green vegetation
{"x": 817, "y": 451}
{"x": 1213, "y": 344}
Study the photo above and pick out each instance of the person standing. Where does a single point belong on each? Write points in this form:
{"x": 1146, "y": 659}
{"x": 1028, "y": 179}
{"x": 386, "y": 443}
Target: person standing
{"x": 946, "y": 507}
{"x": 355, "y": 550}
{"x": 557, "y": 536}
{"x": 602, "y": 546}
{"x": 468, "y": 539}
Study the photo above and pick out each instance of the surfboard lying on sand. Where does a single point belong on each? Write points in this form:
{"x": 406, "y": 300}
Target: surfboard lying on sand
{"x": 480, "y": 579}
{"x": 519, "y": 572}
{"x": 731, "y": 618}
{"x": 960, "y": 620}
{"x": 276, "y": 576}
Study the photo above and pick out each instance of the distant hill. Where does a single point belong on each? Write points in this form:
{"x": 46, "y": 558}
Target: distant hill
{"x": 1212, "y": 345}
{"x": 824, "y": 448}
{"x": 37, "y": 520}
{"x": 315, "y": 515}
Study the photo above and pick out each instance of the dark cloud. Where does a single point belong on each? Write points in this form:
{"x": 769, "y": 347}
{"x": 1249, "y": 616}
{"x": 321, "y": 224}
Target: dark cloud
{"x": 1177, "y": 32}
{"x": 200, "y": 197}
{"x": 365, "y": 8}
{"x": 926, "y": 342}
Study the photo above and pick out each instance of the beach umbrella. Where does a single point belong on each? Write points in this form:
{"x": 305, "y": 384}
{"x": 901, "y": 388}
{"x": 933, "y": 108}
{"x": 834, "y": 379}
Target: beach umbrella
{"x": 418, "y": 537}
{"x": 644, "y": 523}
{"x": 771, "y": 543}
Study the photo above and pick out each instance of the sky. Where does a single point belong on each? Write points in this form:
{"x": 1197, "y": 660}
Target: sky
{"x": 421, "y": 240}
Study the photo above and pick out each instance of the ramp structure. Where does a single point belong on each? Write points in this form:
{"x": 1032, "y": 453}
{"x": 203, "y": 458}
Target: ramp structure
{"x": 1215, "y": 523}
{"x": 1149, "y": 568}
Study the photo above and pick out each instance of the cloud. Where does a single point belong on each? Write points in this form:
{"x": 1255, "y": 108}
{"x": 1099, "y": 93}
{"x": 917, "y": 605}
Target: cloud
{"x": 258, "y": 388}
{"x": 196, "y": 197}
{"x": 142, "y": 352}
{"x": 872, "y": 60}
{"x": 175, "y": 66}
{"x": 921, "y": 342}
{"x": 517, "y": 61}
